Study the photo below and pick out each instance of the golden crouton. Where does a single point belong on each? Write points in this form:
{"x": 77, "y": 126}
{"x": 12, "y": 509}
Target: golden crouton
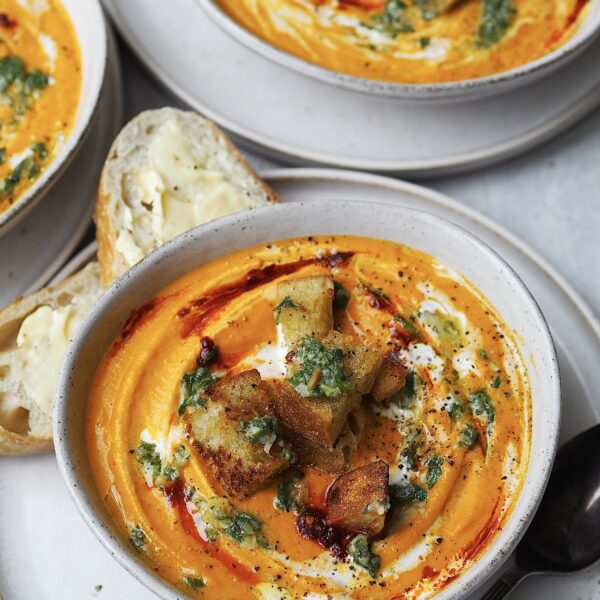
{"x": 359, "y": 499}
{"x": 389, "y": 380}
{"x": 331, "y": 460}
{"x": 319, "y": 420}
{"x": 235, "y": 435}
{"x": 361, "y": 363}
{"x": 304, "y": 308}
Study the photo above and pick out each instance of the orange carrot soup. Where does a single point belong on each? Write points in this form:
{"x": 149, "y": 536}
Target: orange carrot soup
{"x": 327, "y": 417}
{"x": 40, "y": 81}
{"x": 412, "y": 41}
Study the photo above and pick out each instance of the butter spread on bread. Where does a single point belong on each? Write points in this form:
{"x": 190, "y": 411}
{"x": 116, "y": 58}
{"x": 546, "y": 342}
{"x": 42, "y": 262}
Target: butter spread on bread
{"x": 34, "y": 332}
{"x": 167, "y": 172}
{"x": 41, "y": 341}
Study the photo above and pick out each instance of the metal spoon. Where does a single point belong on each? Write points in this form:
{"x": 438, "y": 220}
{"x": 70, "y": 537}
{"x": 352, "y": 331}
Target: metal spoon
{"x": 565, "y": 533}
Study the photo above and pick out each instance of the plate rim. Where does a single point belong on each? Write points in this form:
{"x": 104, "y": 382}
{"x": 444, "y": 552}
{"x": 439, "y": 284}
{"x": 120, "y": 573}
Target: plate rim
{"x": 294, "y": 155}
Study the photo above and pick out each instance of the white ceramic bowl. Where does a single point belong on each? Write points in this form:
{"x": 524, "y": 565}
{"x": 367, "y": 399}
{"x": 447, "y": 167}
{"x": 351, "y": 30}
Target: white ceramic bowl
{"x": 448, "y": 243}
{"x": 431, "y": 92}
{"x": 90, "y": 27}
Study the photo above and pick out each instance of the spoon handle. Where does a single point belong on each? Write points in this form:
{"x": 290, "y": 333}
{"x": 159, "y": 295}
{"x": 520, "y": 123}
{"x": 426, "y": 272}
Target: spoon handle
{"x": 504, "y": 585}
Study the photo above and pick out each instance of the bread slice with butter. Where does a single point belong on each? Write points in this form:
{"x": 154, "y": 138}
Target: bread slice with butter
{"x": 34, "y": 332}
{"x": 167, "y": 172}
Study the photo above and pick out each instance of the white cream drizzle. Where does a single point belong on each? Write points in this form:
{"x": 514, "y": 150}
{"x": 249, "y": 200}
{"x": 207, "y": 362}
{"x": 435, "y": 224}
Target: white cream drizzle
{"x": 423, "y": 355}
{"x": 49, "y": 46}
{"x": 268, "y": 360}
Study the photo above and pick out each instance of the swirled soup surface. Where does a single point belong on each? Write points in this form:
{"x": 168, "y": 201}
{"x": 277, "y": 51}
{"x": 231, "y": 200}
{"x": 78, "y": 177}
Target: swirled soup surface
{"x": 458, "y": 433}
{"x": 40, "y": 81}
{"x": 412, "y": 41}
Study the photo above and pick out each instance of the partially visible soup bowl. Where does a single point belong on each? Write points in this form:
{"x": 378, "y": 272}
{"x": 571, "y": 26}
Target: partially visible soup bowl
{"x": 90, "y": 29}
{"x": 445, "y": 92}
{"x": 449, "y": 244}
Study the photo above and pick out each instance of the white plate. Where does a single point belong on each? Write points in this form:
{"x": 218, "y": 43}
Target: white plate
{"x": 302, "y": 121}
{"x": 46, "y": 550}
{"x": 90, "y": 28}
{"x": 38, "y": 246}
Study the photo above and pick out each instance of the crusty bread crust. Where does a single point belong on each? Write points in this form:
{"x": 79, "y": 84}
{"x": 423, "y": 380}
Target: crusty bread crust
{"x": 110, "y": 261}
{"x": 24, "y": 428}
{"x": 132, "y": 140}
{"x": 14, "y": 444}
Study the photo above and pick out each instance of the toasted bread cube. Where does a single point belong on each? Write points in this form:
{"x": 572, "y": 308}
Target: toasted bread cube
{"x": 331, "y": 460}
{"x": 312, "y": 311}
{"x": 244, "y": 392}
{"x": 389, "y": 381}
{"x": 359, "y": 499}
{"x": 238, "y": 464}
{"x": 319, "y": 420}
{"x": 361, "y": 363}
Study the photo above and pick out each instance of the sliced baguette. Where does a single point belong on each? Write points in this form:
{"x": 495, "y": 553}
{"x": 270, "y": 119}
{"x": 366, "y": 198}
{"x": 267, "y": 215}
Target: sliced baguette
{"x": 126, "y": 208}
{"x": 26, "y": 421}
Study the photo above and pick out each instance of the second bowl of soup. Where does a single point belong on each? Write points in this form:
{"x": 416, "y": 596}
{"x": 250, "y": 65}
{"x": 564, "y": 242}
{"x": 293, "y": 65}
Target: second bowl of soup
{"x": 414, "y": 49}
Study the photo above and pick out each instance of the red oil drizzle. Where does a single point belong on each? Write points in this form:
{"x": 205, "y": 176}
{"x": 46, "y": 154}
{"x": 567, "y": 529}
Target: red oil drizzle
{"x": 335, "y": 259}
{"x": 366, "y": 4}
{"x": 7, "y": 21}
{"x": 427, "y": 378}
{"x": 400, "y": 337}
{"x": 195, "y": 316}
{"x": 380, "y": 301}
{"x": 481, "y": 540}
{"x": 484, "y": 535}
{"x": 312, "y": 525}
{"x": 557, "y": 35}
{"x": 176, "y": 496}
{"x": 468, "y": 552}
{"x": 136, "y": 319}
{"x": 429, "y": 572}
{"x": 399, "y": 334}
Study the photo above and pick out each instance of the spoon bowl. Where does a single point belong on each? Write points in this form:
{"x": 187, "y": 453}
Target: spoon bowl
{"x": 564, "y": 535}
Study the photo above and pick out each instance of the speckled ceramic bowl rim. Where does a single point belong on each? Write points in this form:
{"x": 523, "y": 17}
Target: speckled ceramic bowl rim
{"x": 82, "y": 126}
{"x": 73, "y": 459}
{"x": 444, "y": 92}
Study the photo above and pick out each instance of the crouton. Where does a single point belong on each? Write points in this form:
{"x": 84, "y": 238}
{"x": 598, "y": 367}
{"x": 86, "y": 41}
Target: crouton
{"x": 331, "y": 460}
{"x": 318, "y": 419}
{"x": 389, "y": 381}
{"x": 325, "y": 388}
{"x": 304, "y": 308}
{"x": 359, "y": 499}
{"x": 361, "y": 363}
{"x": 236, "y": 437}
